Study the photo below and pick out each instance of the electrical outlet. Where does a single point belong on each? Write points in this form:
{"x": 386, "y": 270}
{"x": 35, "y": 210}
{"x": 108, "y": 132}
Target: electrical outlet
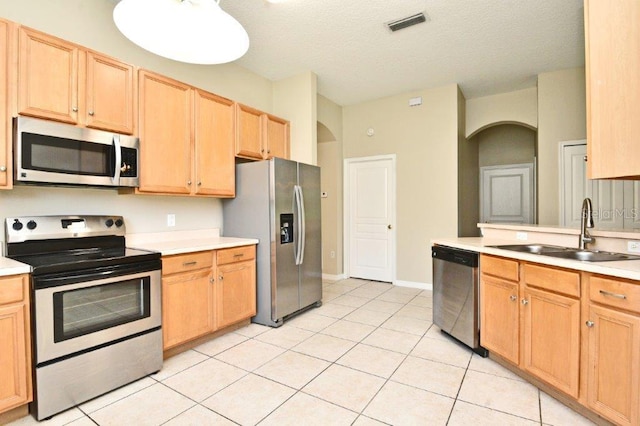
{"x": 332, "y": 254}
{"x": 171, "y": 220}
{"x": 521, "y": 236}
{"x": 633, "y": 246}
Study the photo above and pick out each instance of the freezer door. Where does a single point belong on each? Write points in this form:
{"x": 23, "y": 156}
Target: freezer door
{"x": 284, "y": 276}
{"x": 311, "y": 266}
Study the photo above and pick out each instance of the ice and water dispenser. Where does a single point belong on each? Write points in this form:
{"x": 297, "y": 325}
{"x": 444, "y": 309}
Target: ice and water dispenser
{"x": 286, "y": 228}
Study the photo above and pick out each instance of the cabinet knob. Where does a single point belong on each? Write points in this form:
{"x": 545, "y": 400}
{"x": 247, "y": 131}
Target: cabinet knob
{"x": 91, "y": 113}
{"x": 212, "y": 280}
{"x": 262, "y": 151}
{"x": 589, "y": 324}
{"x": 268, "y": 151}
{"x": 199, "y": 183}
{"x": 3, "y": 168}
{"x": 513, "y": 298}
{"x": 188, "y": 183}
{"x": 74, "y": 109}
{"x": 220, "y": 278}
{"x": 525, "y": 302}
{"x": 585, "y": 158}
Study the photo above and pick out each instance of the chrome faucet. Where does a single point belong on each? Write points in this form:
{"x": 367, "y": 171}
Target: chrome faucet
{"x": 586, "y": 222}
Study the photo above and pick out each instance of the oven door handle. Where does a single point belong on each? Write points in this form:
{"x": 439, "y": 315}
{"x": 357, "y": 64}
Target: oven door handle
{"x": 117, "y": 160}
{"x": 58, "y": 279}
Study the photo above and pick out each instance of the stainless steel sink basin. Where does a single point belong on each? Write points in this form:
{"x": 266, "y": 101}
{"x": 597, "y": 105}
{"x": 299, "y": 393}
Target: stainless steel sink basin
{"x": 591, "y": 256}
{"x": 530, "y": 248}
{"x": 568, "y": 253}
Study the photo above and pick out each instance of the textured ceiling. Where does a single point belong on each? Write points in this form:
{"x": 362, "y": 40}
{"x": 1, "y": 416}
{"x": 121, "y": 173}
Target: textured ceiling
{"x": 486, "y": 46}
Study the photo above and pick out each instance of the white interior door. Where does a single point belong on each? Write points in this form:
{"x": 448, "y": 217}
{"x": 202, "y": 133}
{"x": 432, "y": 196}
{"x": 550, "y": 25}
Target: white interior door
{"x": 609, "y": 197}
{"x": 506, "y": 194}
{"x": 369, "y": 217}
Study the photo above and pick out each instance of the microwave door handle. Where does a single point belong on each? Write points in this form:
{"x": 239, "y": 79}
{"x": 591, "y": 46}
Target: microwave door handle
{"x": 117, "y": 160}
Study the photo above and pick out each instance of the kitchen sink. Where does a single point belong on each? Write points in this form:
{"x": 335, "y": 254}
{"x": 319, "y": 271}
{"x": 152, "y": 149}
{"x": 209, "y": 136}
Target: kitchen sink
{"x": 568, "y": 253}
{"x": 530, "y": 248}
{"x": 591, "y": 256}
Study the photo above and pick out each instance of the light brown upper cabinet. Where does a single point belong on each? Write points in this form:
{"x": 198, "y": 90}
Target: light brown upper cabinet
{"x": 58, "y": 80}
{"x": 260, "y": 135}
{"x": 276, "y": 136}
{"x": 612, "y": 38}
{"x": 249, "y": 133}
{"x": 7, "y": 67}
{"x": 186, "y": 139}
{"x": 214, "y": 143}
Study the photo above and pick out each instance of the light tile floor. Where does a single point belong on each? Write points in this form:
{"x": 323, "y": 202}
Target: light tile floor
{"x": 368, "y": 356}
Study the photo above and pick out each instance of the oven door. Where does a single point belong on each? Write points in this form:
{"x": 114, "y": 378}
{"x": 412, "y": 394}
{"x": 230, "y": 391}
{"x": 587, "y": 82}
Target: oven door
{"x": 98, "y": 311}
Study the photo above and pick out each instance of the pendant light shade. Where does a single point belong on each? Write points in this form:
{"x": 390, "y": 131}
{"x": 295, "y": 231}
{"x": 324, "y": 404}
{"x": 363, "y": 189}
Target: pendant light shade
{"x": 192, "y": 31}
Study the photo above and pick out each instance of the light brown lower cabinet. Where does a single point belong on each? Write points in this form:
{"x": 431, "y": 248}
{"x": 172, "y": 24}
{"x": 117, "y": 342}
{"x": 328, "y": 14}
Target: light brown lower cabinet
{"x": 15, "y": 343}
{"x": 235, "y": 286}
{"x": 200, "y": 296}
{"x": 546, "y": 321}
{"x": 613, "y": 349}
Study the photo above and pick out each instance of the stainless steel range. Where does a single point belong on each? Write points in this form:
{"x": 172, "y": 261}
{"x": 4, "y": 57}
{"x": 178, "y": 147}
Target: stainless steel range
{"x": 96, "y": 307}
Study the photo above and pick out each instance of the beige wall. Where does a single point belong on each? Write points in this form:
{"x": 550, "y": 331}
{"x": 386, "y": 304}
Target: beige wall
{"x": 330, "y": 162}
{"x": 425, "y": 141}
{"x": 294, "y": 98}
{"x": 561, "y": 117}
{"x": 506, "y": 144}
{"x": 89, "y": 23}
{"x": 468, "y": 178}
{"x": 520, "y": 106}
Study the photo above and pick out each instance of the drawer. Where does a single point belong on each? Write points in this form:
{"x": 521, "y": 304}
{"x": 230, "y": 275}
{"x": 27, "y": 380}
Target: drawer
{"x": 615, "y": 292}
{"x": 12, "y": 289}
{"x": 553, "y": 279}
{"x": 186, "y": 262}
{"x": 499, "y": 267}
{"x": 236, "y": 254}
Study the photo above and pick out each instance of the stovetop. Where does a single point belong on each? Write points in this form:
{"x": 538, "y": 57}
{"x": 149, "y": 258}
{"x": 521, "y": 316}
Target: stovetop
{"x": 52, "y": 244}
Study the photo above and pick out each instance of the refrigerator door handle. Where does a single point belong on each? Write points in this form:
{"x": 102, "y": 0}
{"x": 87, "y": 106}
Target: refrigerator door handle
{"x": 298, "y": 246}
{"x": 303, "y": 226}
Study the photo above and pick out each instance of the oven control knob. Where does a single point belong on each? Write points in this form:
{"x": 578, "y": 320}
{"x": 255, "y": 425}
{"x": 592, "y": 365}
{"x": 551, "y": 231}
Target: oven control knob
{"x": 32, "y": 224}
{"x": 17, "y": 225}
{"x": 109, "y": 223}
{"x": 119, "y": 223}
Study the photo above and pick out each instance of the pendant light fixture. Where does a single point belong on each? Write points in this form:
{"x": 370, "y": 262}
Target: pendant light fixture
{"x": 192, "y": 31}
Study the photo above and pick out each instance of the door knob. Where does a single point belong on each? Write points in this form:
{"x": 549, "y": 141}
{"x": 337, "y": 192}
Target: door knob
{"x": 389, "y": 226}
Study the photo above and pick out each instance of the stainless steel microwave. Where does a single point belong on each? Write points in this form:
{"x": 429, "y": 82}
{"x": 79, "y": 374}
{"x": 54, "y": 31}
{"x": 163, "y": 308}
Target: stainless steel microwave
{"x": 47, "y": 152}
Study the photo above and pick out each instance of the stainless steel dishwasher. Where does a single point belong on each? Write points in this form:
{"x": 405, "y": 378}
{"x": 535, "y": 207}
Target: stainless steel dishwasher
{"x": 456, "y": 295}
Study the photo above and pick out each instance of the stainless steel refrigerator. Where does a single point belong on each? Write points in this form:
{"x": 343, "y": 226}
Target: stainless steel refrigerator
{"x": 278, "y": 202}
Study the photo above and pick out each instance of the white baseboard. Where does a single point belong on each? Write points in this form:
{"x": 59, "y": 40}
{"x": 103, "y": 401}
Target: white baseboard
{"x": 329, "y": 277}
{"x": 414, "y": 284}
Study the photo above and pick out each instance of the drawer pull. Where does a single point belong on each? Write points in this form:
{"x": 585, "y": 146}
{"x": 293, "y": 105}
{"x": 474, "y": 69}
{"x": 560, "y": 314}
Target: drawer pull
{"x": 189, "y": 263}
{"x": 616, "y": 295}
{"x": 238, "y": 255}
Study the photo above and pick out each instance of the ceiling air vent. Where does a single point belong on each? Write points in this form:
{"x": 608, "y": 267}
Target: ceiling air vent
{"x": 399, "y": 24}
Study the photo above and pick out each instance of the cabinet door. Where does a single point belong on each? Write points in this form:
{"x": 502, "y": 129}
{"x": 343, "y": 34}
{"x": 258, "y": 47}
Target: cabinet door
{"x": 109, "y": 94}
{"x": 165, "y": 135}
{"x": 613, "y": 87}
{"x": 47, "y": 77}
{"x": 214, "y": 145}
{"x": 187, "y": 306}
{"x": 249, "y": 133}
{"x": 15, "y": 356}
{"x": 551, "y": 344}
{"x": 499, "y": 329}
{"x": 277, "y": 137}
{"x": 6, "y": 77}
{"x": 613, "y": 378}
{"x": 235, "y": 293}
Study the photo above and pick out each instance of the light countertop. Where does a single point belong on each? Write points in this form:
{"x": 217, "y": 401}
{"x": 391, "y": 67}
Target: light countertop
{"x": 179, "y": 242}
{"x": 629, "y": 269}
{"x": 12, "y": 267}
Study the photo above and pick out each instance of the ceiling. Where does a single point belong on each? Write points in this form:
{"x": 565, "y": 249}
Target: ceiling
{"x": 486, "y": 46}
